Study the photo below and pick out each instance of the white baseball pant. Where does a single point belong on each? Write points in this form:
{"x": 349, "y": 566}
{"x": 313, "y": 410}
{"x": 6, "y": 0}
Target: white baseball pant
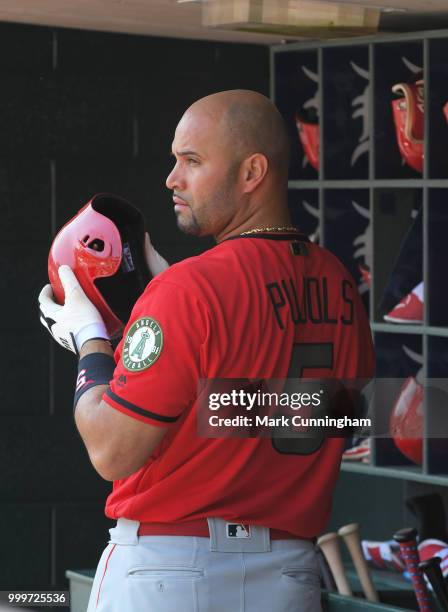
{"x": 196, "y": 574}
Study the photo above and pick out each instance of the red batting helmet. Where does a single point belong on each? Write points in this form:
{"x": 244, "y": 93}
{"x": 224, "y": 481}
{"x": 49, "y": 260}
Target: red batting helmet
{"x": 309, "y": 134}
{"x": 406, "y": 420}
{"x": 104, "y": 245}
{"x": 408, "y": 112}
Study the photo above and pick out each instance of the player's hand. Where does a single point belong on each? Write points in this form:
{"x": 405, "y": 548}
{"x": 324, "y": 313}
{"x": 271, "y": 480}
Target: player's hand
{"x": 77, "y": 321}
{"x": 156, "y": 263}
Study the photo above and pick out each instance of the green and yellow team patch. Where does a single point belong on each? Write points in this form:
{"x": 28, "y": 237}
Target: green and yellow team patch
{"x": 142, "y": 345}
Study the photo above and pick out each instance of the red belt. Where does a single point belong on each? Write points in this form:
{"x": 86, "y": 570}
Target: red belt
{"x": 199, "y": 528}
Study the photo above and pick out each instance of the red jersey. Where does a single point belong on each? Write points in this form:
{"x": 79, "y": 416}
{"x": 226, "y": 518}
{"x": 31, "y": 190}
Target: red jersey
{"x": 247, "y": 308}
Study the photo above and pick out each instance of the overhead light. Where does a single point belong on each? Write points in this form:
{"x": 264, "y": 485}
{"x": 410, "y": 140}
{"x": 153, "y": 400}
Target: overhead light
{"x": 299, "y": 18}
{"x": 392, "y": 9}
{"x": 378, "y": 7}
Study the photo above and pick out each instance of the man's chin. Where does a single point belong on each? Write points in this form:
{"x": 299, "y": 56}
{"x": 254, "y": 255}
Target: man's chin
{"x": 189, "y": 228}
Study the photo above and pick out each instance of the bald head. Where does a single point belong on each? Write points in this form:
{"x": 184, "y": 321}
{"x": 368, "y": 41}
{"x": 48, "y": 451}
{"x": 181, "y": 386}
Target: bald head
{"x": 230, "y": 175}
{"x": 249, "y": 123}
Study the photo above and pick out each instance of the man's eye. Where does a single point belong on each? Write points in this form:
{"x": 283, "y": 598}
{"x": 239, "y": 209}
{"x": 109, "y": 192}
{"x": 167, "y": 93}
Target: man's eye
{"x": 192, "y": 161}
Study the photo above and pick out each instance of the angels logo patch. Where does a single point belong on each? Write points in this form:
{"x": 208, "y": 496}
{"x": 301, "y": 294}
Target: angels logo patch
{"x": 143, "y": 344}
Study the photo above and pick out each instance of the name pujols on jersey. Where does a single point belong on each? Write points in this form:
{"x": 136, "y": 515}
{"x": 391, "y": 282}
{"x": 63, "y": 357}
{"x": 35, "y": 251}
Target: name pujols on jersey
{"x": 310, "y": 302}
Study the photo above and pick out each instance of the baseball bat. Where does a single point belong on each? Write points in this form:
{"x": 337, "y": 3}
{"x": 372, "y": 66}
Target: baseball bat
{"x": 407, "y": 540}
{"x": 350, "y": 534}
{"x": 431, "y": 568}
{"x": 329, "y": 544}
{"x": 325, "y": 571}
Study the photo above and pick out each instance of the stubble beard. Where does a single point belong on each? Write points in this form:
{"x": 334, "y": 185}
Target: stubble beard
{"x": 205, "y": 221}
{"x": 189, "y": 226}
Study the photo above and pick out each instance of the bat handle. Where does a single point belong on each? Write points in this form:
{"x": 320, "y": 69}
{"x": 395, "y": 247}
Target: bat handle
{"x": 431, "y": 568}
{"x": 329, "y": 544}
{"x": 350, "y": 533}
{"x": 407, "y": 540}
{"x": 325, "y": 571}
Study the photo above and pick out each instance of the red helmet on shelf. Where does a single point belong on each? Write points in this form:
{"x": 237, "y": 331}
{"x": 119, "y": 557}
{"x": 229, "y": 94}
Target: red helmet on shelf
{"x": 408, "y": 112}
{"x": 406, "y": 421}
{"x": 309, "y": 135}
{"x": 104, "y": 245}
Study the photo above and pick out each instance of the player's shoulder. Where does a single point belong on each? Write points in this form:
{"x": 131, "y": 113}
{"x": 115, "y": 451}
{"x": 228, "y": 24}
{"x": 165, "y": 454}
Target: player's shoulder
{"x": 331, "y": 261}
{"x": 193, "y": 275}
{"x": 192, "y": 269}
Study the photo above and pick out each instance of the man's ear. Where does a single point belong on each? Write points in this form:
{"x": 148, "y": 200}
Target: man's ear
{"x": 254, "y": 169}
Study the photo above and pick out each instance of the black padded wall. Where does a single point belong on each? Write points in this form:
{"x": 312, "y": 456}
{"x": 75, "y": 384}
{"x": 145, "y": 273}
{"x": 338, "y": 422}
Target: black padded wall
{"x": 80, "y": 112}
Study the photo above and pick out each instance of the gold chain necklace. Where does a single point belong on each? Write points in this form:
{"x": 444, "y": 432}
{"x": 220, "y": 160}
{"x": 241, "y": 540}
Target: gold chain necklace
{"x": 259, "y": 230}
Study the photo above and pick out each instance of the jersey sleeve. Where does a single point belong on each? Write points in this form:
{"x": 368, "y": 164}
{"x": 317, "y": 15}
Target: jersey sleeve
{"x": 161, "y": 357}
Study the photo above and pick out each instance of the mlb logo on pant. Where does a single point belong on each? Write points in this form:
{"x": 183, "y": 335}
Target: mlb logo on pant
{"x": 238, "y": 530}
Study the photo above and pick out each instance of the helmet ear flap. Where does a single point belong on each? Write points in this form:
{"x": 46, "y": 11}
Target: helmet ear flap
{"x": 104, "y": 245}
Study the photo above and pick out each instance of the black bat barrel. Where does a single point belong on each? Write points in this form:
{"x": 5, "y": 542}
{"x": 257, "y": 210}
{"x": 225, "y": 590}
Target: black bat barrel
{"x": 431, "y": 569}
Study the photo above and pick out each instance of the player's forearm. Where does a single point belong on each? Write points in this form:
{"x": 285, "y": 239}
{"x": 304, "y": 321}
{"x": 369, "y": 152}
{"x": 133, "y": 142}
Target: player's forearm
{"x": 117, "y": 448}
{"x": 92, "y": 427}
{"x": 89, "y": 414}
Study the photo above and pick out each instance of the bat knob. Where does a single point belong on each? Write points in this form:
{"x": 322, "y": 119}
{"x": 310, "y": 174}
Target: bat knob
{"x": 348, "y": 529}
{"x": 408, "y": 534}
{"x": 328, "y": 537}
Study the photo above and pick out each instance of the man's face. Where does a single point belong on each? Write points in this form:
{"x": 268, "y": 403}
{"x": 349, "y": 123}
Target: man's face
{"x": 204, "y": 177}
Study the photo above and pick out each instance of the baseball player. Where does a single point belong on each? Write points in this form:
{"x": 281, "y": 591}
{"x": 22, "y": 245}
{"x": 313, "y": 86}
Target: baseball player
{"x": 216, "y": 524}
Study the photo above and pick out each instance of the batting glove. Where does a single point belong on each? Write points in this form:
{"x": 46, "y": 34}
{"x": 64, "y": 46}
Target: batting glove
{"x": 77, "y": 321}
{"x": 156, "y": 263}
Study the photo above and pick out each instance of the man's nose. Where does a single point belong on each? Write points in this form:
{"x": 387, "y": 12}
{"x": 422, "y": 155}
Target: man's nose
{"x": 174, "y": 179}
